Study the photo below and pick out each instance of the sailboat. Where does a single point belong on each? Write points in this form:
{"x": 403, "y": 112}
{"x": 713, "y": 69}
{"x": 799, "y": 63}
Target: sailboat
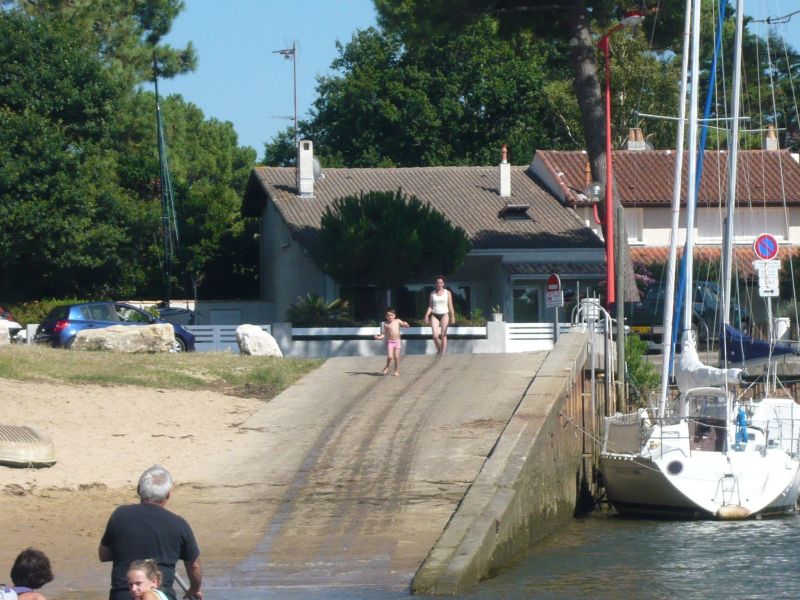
{"x": 710, "y": 454}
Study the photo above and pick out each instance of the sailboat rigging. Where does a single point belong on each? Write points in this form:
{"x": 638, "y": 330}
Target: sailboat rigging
{"x": 712, "y": 454}
{"x": 169, "y": 223}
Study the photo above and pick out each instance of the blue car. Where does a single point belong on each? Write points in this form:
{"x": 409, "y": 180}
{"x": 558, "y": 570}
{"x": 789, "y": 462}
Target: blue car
{"x": 64, "y": 322}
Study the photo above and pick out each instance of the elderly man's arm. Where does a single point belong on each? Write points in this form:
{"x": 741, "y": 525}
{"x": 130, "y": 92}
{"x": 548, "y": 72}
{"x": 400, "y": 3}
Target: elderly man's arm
{"x": 104, "y": 552}
{"x": 195, "y": 573}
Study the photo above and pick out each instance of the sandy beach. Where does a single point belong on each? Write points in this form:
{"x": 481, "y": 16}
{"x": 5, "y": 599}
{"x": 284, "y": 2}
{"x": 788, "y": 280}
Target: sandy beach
{"x": 104, "y": 438}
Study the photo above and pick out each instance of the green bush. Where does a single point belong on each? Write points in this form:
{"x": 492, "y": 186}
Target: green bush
{"x": 643, "y": 377}
{"x": 35, "y": 312}
{"x": 313, "y": 311}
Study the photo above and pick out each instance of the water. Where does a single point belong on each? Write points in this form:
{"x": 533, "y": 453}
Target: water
{"x": 610, "y": 557}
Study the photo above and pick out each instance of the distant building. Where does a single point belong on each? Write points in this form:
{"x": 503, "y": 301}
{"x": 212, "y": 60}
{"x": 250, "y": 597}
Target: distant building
{"x": 520, "y": 233}
{"x": 767, "y": 180}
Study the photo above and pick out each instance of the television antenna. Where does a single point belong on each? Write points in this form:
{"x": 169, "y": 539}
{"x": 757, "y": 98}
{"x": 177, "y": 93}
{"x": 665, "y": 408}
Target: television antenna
{"x": 291, "y": 54}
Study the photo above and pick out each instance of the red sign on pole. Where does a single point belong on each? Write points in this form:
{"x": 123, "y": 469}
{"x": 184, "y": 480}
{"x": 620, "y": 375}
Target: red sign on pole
{"x": 766, "y": 246}
{"x": 553, "y": 283}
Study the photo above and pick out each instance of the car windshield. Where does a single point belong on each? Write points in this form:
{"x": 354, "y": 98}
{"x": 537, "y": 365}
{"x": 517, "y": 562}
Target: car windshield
{"x": 129, "y": 314}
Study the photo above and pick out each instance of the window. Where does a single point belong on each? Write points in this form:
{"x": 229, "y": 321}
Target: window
{"x": 634, "y": 218}
{"x": 526, "y": 298}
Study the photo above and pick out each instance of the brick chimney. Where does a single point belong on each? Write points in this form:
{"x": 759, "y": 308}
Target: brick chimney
{"x": 635, "y": 140}
{"x": 771, "y": 141}
{"x": 505, "y": 174}
{"x": 305, "y": 168}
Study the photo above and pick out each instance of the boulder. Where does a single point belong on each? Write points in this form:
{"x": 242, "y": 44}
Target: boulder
{"x": 255, "y": 341}
{"x": 128, "y": 339}
{"x": 5, "y": 338}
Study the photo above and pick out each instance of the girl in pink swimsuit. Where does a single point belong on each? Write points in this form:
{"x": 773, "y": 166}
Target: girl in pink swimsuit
{"x": 390, "y": 329}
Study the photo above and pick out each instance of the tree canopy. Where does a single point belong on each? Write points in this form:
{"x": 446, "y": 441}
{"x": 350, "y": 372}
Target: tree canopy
{"x": 79, "y": 188}
{"x": 387, "y": 239}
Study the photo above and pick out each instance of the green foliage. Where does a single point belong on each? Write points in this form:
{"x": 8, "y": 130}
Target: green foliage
{"x": 125, "y": 35}
{"x": 643, "y": 377}
{"x": 387, "y": 239}
{"x": 61, "y": 209}
{"x": 314, "y": 311}
{"x": 475, "y": 318}
{"x": 79, "y": 188}
{"x": 452, "y": 101}
{"x": 35, "y": 311}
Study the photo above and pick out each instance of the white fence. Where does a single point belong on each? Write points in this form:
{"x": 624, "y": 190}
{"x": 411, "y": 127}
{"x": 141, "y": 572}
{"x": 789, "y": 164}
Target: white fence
{"x": 217, "y": 338}
{"x": 312, "y": 342}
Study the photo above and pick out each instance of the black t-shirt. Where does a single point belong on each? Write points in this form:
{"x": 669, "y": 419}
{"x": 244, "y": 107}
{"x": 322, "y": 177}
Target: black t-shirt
{"x": 146, "y": 530}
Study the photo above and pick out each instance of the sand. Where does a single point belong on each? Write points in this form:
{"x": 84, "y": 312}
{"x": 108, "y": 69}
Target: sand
{"x": 104, "y": 438}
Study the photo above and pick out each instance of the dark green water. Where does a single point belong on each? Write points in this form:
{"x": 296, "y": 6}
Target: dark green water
{"x": 607, "y": 557}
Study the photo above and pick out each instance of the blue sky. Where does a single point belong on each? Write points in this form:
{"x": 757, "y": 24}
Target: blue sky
{"x": 238, "y": 77}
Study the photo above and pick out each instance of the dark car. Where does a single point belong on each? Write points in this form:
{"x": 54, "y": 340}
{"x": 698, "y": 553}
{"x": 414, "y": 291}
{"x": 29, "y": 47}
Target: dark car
{"x": 64, "y": 322}
{"x": 647, "y": 316}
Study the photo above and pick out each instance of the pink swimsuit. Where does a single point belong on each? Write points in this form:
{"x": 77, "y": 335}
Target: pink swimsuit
{"x": 393, "y": 344}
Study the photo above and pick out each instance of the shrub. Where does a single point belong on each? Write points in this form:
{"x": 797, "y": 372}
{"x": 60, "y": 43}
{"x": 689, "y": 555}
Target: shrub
{"x": 313, "y": 311}
{"x": 35, "y": 312}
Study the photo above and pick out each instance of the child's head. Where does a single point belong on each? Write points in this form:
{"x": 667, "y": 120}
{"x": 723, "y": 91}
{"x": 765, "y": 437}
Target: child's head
{"x": 31, "y": 569}
{"x": 390, "y": 313}
{"x": 143, "y": 576}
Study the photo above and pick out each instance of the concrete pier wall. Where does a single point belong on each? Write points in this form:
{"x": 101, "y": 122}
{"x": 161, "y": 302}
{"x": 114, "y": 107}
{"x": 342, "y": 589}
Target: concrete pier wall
{"x": 530, "y": 483}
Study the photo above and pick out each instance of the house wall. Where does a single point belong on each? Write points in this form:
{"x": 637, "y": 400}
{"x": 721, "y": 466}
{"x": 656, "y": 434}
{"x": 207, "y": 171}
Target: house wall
{"x": 287, "y": 270}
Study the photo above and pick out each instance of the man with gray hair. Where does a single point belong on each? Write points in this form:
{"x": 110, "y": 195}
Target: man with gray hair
{"x": 149, "y": 530}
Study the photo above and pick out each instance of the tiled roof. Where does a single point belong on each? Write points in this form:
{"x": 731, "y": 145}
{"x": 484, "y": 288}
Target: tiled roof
{"x": 562, "y": 268}
{"x": 467, "y": 196}
{"x": 645, "y": 177}
{"x": 743, "y": 256}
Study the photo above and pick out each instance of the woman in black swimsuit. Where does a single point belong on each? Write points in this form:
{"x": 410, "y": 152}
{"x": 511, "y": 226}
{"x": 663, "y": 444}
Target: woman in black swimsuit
{"x": 440, "y": 314}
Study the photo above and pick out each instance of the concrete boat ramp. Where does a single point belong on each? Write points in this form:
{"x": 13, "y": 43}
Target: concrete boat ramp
{"x": 383, "y": 481}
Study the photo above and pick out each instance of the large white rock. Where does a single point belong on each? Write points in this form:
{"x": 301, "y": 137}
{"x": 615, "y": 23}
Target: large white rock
{"x": 129, "y": 339}
{"x": 257, "y": 342}
{"x": 5, "y": 337}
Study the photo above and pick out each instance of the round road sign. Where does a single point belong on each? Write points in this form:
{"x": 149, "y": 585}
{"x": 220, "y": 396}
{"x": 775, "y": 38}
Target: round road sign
{"x": 553, "y": 283}
{"x": 766, "y": 246}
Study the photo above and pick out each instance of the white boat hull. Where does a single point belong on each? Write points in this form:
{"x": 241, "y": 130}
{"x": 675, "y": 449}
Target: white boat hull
{"x": 709, "y": 484}
{"x": 705, "y": 465}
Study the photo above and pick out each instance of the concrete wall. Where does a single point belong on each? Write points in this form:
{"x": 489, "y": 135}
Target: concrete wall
{"x": 287, "y": 271}
{"x": 531, "y": 482}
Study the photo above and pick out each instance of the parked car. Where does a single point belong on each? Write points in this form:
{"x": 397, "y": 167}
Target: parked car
{"x": 15, "y": 331}
{"x": 64, "y": 322}
{"x": 647, "y": 316}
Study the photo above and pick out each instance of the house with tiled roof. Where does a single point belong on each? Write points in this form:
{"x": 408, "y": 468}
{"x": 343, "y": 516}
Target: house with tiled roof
{"x": 768, "y": 198}
{"x": 519, "y": 233}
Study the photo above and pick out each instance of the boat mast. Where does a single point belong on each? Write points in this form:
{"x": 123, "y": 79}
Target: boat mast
{"x": 669, "y": 297}
{"x": 168, "y": 220}
{"x": 733, "y": 157}
{"x": 691, "y": 187}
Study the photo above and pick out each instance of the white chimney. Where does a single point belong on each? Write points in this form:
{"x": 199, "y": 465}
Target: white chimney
{"x": 635, "y": 140}
{"x": 505, "y": 174}
{"x": 305, "y": 168}
{"x": 771, "y": 143}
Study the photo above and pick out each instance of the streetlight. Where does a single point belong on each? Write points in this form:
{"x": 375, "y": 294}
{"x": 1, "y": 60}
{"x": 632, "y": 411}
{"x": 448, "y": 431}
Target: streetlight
{"x": 631, "y": 19}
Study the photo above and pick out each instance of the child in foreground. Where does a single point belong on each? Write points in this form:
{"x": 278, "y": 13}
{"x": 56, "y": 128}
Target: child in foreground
{"x": 144, "y": 579}
{"x": 390, "y": 329}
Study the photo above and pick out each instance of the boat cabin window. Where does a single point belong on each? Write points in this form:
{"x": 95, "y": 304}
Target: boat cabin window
{"x": 714, "y": 407}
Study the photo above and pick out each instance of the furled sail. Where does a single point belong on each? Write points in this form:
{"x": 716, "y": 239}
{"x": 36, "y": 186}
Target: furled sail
{"x": 692, "y": 373}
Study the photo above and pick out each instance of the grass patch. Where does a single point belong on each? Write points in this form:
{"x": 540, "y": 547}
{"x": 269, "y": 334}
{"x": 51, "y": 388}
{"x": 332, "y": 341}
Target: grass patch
{"x": 233, "y": 374}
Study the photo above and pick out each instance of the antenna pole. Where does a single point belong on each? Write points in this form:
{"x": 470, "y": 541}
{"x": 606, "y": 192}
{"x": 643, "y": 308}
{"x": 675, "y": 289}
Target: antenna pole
{"x": 294, "y": 85}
